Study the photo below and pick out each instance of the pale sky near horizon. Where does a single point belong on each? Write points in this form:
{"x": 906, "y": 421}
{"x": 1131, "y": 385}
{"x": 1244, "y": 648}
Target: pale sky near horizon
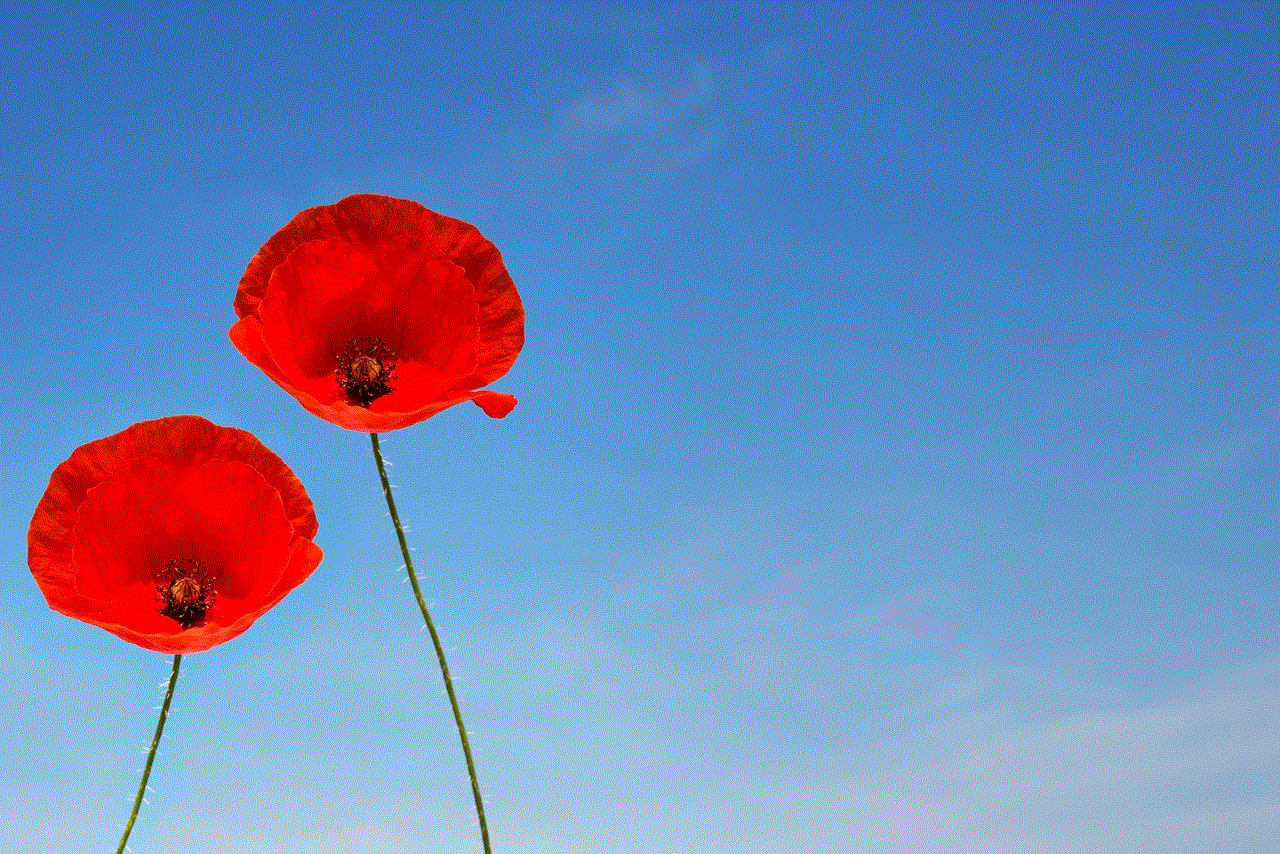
{"x": 896, "y": 460}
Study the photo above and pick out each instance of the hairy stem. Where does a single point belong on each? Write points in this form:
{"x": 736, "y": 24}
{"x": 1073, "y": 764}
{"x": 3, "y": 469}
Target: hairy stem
{"x": 435, "y": 639}
{"x": 151, "y": 754}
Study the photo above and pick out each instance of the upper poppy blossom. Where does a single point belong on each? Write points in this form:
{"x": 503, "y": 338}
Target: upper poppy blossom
{"x": 174, "y": 534}
{"x": 377, "y": 313}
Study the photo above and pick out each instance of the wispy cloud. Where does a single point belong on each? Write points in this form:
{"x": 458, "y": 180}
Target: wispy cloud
{"x": 1193, "y": 774}
{"x": 642, "y": 126}
{"x": 628, "y": 104}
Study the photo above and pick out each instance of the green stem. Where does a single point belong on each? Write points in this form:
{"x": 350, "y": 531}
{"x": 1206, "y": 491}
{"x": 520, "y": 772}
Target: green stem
{"x": 435, "y": 639}
{"x": 151, "y": 754}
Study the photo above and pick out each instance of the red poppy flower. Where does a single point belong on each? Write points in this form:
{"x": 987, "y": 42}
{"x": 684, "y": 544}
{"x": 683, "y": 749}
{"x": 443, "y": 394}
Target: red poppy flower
{"x": 377, "y": 313}
{"x": 174, "y": 534}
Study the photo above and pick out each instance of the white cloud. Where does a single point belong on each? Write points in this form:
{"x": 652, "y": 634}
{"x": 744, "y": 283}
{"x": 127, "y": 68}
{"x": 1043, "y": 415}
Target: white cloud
{"x": 640, "y": 127}
{"x": 629, "y": 104}
{"x": 1193, "y": 775}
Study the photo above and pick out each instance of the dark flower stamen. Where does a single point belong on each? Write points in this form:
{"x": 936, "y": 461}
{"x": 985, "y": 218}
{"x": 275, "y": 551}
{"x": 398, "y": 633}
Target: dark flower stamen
{"x": 186, "y": 590}
{"x": 365, "y": 369}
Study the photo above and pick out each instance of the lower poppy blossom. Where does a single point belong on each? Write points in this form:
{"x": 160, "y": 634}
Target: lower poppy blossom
{"x": 377, "y": 313}
{"x": 174, "y": 534}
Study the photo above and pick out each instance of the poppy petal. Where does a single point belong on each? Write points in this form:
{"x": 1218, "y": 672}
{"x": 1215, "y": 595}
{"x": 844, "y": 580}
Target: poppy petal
{"x": 494, "y": 404}
{"x": 178, "y": 491}
{"x": 431, "y": 289}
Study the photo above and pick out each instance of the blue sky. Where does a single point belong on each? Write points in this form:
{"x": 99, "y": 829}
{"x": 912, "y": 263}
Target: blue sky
{"x": 896, "y": 460}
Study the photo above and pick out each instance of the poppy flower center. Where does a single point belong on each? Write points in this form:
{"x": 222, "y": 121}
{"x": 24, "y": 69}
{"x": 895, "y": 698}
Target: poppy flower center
{"x": 365, "y": 368}
{"x": 184, "y": 589}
